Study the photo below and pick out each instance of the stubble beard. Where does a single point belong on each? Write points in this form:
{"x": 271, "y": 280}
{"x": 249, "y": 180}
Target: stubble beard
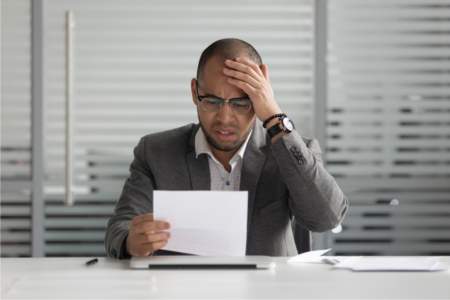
{"x": 216, "y": 145}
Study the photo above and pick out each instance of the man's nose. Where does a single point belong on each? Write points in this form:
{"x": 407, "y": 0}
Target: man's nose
{"x": 225, "y": 113}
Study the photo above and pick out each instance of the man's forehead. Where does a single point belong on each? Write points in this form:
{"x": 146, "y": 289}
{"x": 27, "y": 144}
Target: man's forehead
{"x": 213, "y": 69}
{"x": 217, "y": 62}
{"x": 214, "y": 66}
{"x": 214, "y": 81}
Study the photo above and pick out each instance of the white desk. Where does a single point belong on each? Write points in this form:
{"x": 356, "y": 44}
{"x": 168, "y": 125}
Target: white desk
{"x": 69, "y": 278}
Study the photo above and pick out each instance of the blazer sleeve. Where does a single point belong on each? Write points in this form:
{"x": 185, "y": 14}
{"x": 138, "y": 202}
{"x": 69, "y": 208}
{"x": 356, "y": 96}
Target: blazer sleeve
{"x": 315, "y": 199}
{"x": 136, "y": 199}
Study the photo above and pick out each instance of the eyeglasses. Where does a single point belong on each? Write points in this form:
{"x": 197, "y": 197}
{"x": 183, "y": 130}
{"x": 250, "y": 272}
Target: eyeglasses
{"x": 210, "y": 103}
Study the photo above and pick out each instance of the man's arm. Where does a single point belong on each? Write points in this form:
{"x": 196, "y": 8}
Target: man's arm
{"x": 136, "y": 199}
{"x": 316, "y": 200}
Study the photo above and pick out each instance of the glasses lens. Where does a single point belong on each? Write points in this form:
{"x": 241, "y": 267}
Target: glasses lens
{"x": 241, "y": 105}
{"x": 211, "y": 104}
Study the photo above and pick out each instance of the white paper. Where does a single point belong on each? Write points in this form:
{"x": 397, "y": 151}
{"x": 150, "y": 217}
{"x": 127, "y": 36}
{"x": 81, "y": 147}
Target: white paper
{"x": 309, "y": 257}
{"x": 391, "y": 263}
{"x": 210, "y": 223}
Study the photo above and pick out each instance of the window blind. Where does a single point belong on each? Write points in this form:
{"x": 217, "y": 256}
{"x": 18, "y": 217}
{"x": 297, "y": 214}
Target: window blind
{"x": 15, "y": 128}
{"x": 133, "y": 61}
{"x": 388, "y": 129}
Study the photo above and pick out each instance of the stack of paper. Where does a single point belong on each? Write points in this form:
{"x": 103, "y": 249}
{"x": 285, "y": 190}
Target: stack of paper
{"x": 391, "y": 263}
{"x": 309, "y": 257}
{"x": 372, "y": 263}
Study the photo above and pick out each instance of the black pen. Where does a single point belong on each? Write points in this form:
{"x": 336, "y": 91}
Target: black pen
{"x": 92, "y": 262}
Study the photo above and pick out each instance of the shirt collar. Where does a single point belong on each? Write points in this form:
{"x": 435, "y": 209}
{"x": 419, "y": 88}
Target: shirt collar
{"x": 202, "y": 147}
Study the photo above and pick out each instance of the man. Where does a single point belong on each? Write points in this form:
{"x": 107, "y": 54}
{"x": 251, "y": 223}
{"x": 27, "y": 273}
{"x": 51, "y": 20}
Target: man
{"x": 230, "y": 150}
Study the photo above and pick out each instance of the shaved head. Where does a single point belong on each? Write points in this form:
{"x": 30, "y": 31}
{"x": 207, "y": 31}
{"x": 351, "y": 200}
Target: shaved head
{"x": 227, "y": 49}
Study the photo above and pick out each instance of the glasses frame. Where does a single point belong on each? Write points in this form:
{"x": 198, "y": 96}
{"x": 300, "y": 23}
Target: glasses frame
{"x": 224, "y": 101}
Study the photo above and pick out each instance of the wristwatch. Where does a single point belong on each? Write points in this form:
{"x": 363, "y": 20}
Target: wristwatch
{"x": 284, "y": 125}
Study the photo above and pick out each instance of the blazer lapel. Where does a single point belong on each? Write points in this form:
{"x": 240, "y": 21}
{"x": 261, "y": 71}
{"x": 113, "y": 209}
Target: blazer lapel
{"x": 198, "y": 167}
{"x": 253, "y": 163}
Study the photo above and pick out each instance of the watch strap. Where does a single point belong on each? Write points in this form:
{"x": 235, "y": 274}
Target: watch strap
{"x": 280, "y": 126}
{"x": 274, "y": 130}
{"x": 279, "y": 116}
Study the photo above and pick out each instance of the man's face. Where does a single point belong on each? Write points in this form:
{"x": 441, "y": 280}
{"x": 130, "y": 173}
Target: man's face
{"x": 226, "y": 129}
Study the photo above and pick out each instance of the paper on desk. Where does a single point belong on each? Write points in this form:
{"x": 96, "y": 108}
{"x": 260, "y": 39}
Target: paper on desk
{"x": 309, "y": 257}
{"x": 391, "y": 263}
{"x": 210, "y": 223}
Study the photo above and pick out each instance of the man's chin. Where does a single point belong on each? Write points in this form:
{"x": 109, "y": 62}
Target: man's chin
{"x": 224, "y": 146}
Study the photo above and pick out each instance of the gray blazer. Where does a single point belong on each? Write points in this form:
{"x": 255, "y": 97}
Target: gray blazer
{"x": 286, "y": 181}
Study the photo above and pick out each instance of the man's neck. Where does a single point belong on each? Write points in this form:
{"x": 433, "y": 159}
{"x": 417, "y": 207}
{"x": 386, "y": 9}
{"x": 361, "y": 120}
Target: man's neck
{"x": 224, "y": 157}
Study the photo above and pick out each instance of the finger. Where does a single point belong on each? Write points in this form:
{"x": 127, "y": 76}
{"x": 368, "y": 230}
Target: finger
{"x": 242, "y": 76}
{"x": 245, "y": 68}
{"x": 142, "y": 218}
{"x": 265, "y": 70}
{"x": 154, "y": 226}
{"x": 251, "y": 63}
{"x": 142, "y": 239}
{"x": 148, "y": 248}
{"x": 152, "y": 247}
{"x": 159, "y": 245}
{"x": 247, "y": 88}
{"x": 156, "y": 237}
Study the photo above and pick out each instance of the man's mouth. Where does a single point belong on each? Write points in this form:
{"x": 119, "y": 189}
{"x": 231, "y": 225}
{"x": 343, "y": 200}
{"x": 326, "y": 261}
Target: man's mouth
{"x": 226, "y": 134}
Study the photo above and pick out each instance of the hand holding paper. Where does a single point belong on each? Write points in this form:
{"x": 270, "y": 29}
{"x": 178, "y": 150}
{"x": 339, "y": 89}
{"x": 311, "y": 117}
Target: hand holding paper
{"x": 146, "y": 235}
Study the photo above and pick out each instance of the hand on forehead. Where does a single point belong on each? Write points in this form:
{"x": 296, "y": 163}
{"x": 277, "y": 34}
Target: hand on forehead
{"x": 216, "y": 64}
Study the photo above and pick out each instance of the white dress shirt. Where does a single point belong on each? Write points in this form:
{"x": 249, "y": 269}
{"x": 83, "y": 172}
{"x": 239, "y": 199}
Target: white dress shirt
{"x": 221, "y": 179}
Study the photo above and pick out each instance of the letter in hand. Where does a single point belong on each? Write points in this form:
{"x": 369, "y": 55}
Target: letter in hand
{"x": 146, "y": 235}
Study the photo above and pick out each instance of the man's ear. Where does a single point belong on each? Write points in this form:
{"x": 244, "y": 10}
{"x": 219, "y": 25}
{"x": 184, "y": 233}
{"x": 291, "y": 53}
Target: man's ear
{"x": 194, "y": 90}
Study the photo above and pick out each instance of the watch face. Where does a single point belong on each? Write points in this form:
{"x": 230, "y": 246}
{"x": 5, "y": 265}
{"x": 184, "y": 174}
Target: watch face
{"x": 287, "y": 124}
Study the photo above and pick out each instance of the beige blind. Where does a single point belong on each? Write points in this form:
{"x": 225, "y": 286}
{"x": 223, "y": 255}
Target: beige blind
{"x": 15, "y": 128}
{"x": 388, "y": 132}
{"x": 133, "y": 61}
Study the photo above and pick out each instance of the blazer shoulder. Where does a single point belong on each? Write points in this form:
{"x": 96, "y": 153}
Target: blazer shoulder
{"x": 177, "y": 138}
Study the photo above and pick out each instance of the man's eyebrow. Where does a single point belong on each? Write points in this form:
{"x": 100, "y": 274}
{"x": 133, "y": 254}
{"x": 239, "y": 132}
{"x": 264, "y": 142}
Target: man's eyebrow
{"x": 241, "y": 98}
{"x": 235, "y": 98}
{"x": 211, "y": 95}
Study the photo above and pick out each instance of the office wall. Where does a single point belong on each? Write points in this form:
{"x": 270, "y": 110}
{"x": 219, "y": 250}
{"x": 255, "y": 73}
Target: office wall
{"x": 384, "y": 120}
{"x": 132, "y": 66}
{"x": 388, "y": 127}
